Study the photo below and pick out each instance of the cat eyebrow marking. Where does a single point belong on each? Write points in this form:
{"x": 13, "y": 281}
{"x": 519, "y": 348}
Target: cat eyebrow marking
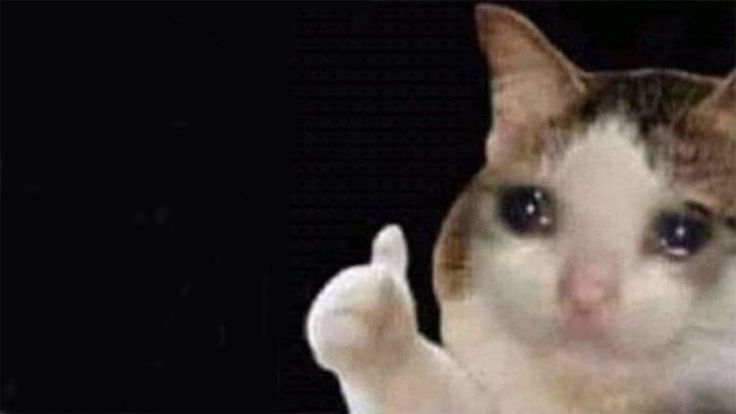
{"x": 698, "y": 209}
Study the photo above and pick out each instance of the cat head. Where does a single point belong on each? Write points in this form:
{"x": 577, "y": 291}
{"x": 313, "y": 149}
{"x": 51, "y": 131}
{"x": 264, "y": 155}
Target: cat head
{"x": 606, "y": 210}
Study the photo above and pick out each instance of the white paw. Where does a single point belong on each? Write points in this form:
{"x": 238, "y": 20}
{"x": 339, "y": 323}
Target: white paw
{"x": 365, "y": 314}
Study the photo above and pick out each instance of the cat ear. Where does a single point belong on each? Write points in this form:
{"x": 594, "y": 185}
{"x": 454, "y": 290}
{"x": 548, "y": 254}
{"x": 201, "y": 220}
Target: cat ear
{"x": 719, "y": 109}
{"x": 531, "y": 81}
{"x": 725, "y": 95}
{"x": 722, "y": 104}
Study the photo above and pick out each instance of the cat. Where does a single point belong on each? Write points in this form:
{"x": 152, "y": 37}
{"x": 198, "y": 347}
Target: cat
{"x": 588, "y": 267}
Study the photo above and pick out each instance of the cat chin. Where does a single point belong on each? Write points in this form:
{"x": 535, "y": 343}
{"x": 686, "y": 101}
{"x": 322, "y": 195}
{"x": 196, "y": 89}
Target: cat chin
{"x": 605, "y": 346}
{"x": 607, "y": 339}
{"x": 615, "y": 345}
{"x": 608, "y": 350}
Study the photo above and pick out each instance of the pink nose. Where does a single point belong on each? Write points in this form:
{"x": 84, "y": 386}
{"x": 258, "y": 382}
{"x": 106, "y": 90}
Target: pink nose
{"x": 584, "y": 293}
{"x": 587, "y": 286}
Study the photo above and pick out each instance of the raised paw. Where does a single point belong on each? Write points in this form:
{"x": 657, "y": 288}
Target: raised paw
{"x": 365, "y": 314}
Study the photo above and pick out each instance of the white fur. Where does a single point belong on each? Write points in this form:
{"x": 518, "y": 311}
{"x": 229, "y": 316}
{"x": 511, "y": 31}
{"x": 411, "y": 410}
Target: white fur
{"x": 709, "y": 351}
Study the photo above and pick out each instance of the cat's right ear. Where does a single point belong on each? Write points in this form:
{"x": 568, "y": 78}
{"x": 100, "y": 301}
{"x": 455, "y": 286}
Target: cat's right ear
{"x": 719, "y": 109}
{"x": 531, "y": 81}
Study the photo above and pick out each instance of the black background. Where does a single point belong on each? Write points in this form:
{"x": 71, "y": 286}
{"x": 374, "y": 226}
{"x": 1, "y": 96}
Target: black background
{"x": 184, "y": 177}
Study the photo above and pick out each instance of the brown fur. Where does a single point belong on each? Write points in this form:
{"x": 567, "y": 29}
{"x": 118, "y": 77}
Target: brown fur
{"x": 451, "y": 250}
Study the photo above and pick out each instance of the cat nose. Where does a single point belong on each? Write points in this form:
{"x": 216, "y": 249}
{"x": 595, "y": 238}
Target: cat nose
{"x": 588, "y": 285}
{"x": 583, "y": 293}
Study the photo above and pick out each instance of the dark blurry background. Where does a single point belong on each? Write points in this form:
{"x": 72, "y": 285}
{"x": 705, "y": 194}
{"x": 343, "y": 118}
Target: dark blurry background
{"x": 184, "y": 177}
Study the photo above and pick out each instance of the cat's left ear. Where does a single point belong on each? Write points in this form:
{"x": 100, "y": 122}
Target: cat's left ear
{"x": 531, "y": 80}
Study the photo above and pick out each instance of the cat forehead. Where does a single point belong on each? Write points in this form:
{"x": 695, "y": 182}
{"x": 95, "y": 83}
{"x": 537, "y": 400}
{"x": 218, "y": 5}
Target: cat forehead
{"x": 606, "y": 156}
{"x": 634, "y": 125}
{"x": 612, "y": 156}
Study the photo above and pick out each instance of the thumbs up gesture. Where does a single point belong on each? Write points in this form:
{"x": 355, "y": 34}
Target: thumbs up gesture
{"x": 365, "y": 315}
{"x": 362, "y": 327}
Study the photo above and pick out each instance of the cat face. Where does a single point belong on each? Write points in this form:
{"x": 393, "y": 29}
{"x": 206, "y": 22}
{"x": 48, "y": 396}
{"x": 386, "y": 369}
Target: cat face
{"x": 605, "y": 213}
{"x": 593, "y": 246}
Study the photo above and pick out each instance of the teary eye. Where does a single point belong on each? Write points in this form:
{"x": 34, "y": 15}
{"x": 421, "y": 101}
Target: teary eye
{"x": 680, "y": 235}
{"x": 526, "y": 209}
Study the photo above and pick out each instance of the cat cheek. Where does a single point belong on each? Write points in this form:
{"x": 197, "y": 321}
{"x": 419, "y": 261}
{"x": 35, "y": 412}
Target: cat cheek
{"x": 522, "y": 288}
{"x": 653, "y": 309}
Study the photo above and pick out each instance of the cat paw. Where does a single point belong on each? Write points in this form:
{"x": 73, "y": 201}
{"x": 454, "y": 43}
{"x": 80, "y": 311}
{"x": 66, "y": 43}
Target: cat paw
{"x": 365, "y": 314}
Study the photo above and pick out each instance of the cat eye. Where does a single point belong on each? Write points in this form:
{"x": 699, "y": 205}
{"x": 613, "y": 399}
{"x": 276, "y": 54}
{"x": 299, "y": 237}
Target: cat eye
{"x": 680, "y": 234}
{"x": 526, "y": 210}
